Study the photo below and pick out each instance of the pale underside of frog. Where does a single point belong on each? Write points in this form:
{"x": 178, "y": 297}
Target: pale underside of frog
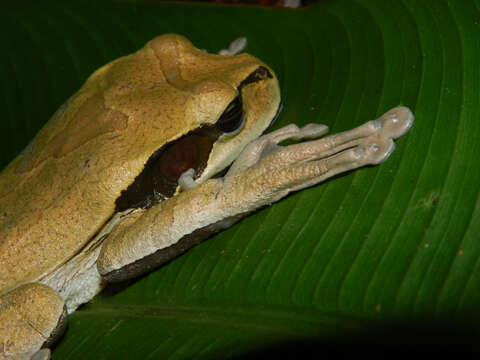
{"x": 121, "y": 179}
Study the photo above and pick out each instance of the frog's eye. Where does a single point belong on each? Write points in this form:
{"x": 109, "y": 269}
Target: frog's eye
{"x": 232, "y": 118}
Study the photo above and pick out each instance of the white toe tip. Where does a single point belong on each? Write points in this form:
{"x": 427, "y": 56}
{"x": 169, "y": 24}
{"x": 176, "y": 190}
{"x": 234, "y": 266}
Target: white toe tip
{"x": 378, "y": 149}
{"x": 396, "y": 122}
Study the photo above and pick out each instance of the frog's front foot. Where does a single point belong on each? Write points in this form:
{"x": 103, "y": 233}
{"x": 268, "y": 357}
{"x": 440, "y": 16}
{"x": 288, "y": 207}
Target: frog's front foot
{"x": 273, "y": 171}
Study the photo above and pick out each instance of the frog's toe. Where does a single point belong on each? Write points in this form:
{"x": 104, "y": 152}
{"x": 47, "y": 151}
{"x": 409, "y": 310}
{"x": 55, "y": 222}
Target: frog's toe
{"x": 396, "y": 122}
{"x": 186, "y": 181}
{"x": 235, "y": 47}
{"x": 311, "y": 131}
{"x": 376, "y": 149}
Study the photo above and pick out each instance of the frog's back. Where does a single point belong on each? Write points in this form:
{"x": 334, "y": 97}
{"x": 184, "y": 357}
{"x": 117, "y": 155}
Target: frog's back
{"x": 45, "y": 217}
{"x": 52, "y": 196}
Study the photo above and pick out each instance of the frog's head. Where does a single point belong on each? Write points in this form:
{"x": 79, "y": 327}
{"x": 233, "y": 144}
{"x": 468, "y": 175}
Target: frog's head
{"x": 212, "y": 106}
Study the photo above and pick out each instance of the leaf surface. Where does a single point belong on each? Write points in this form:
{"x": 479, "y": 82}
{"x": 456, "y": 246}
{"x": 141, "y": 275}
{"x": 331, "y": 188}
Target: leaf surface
{"x": 397, "y": 241}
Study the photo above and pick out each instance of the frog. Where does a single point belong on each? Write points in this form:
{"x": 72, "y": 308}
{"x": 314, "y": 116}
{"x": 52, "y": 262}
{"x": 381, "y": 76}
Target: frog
{"x": 156, "y": 152}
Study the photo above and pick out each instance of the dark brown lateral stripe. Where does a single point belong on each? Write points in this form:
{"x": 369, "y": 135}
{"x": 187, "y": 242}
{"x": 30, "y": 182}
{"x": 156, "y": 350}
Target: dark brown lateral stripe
{"x": 164, "y": 255}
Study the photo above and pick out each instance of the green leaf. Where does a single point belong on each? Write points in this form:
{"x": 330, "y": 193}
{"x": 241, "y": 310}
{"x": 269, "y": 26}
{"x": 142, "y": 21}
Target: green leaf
{"x": 393, "y": 242}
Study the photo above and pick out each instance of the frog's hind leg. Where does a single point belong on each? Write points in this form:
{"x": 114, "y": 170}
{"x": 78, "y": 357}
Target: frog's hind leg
{"x": 32, "y": 317}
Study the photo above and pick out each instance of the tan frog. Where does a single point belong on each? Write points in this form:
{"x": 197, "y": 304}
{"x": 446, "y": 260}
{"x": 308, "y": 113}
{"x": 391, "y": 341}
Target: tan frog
{"x": 120, "y": 179}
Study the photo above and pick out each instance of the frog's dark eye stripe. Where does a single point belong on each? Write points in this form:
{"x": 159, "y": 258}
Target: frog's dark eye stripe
{"x": 261, "y": 73}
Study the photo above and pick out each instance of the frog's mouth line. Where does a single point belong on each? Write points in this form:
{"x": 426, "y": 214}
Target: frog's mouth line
{"x": 158, "y": 180}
